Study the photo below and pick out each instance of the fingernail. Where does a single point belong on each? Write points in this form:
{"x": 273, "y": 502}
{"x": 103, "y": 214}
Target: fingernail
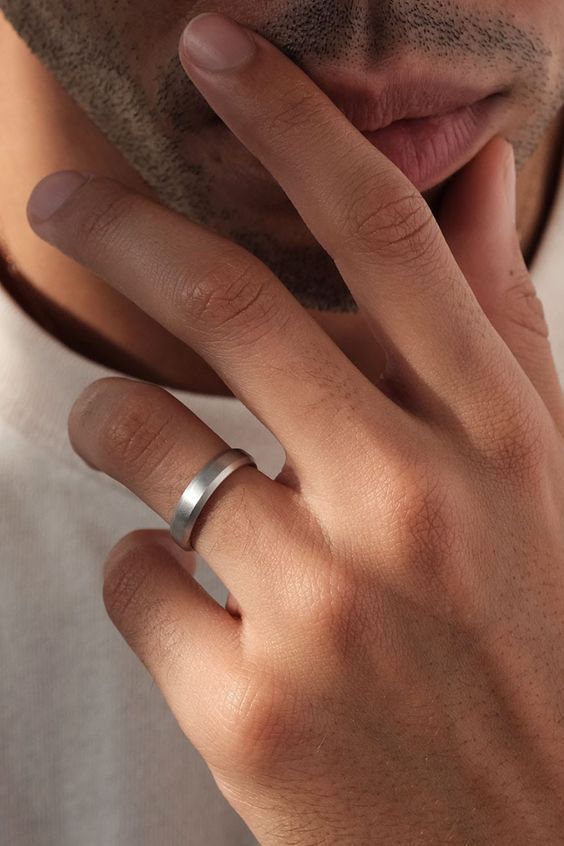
{"x": 214, "y": 42}
{"x": 511, "y": 184}
{"x": 52, "y": 193}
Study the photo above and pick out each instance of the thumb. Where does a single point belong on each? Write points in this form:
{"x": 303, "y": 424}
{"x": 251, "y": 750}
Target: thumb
{"x": 477, "y": 217}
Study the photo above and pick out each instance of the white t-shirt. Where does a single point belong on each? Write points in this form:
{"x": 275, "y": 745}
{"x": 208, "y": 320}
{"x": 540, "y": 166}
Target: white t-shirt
{"x": 89, "y": 753}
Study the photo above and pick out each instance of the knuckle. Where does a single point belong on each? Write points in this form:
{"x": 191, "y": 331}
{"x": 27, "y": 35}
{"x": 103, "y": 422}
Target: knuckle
{"x": 423, "y": 526}
{"x": 254, "y": 719}
{"x": 402, "y": 225}
{"x": 330, "y": 609}
{"x": 136, "y": 436}
{"x": 105, "y": 222}
{"x": 129, "y": 598}
{"x": 233, "y": 297}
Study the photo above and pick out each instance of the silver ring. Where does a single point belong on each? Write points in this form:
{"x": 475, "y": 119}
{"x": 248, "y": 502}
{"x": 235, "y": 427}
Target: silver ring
{"x": 201, "y": 488}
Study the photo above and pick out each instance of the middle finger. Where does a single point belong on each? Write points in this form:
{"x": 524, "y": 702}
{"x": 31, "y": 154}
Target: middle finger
{"x": 230, "y": 308}
{"x": 143, "y": 437}
{"x": 365, "y": 213}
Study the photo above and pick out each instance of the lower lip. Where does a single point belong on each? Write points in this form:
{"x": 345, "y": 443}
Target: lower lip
{"x": 429, "y": 150}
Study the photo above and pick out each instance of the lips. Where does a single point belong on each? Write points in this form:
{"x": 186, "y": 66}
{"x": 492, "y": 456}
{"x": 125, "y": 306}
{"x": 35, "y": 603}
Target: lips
{"x": 427, "y": 127}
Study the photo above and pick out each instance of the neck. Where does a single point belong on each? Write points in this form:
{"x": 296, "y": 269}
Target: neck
{"x": 81, "y": 309}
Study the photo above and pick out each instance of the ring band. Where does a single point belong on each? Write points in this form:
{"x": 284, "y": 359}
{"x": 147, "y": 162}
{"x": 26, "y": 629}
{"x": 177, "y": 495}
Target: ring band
{"x": 201, "y": 488}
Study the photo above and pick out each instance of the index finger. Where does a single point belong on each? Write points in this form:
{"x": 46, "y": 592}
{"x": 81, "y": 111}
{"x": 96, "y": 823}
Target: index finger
{"x": 362, "y": 210}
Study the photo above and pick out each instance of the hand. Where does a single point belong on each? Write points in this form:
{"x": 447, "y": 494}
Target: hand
{"x": 396, "y": 675}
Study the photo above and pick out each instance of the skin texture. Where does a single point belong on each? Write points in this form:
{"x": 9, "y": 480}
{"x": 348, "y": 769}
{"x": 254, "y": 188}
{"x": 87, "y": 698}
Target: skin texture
{"x": 50, "y": 131}
{"x": 396, "y": 670}
{"x": 158, "y": 119}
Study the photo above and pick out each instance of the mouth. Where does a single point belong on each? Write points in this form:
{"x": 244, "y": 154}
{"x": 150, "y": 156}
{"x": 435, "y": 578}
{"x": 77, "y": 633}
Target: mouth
{"x": 428, "y": 128}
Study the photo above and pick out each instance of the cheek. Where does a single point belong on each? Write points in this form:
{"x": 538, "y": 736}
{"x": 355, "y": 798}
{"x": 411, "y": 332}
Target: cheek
{"x": 544, "y": 20}
{"x": 537, "y": 71}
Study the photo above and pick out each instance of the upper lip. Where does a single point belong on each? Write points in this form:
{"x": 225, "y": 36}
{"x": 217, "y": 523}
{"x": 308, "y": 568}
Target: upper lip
{"x": 372, "y": 101}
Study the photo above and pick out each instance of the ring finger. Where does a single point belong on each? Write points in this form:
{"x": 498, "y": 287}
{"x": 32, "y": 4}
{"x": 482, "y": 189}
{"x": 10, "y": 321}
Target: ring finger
{"x": 146, "y": 439}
